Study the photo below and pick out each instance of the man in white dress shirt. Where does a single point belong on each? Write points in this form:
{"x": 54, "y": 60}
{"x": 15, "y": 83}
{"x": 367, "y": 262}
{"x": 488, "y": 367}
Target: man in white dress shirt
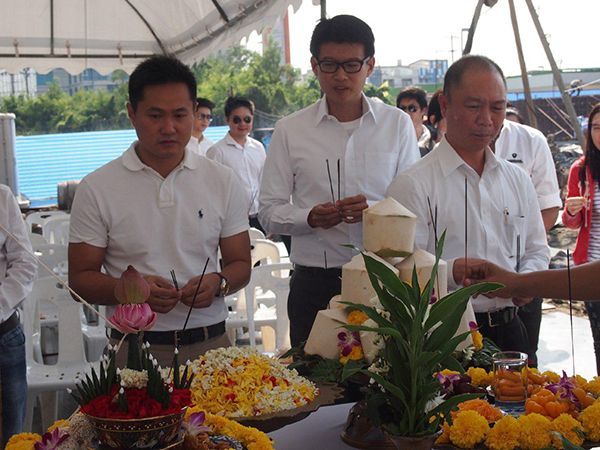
{"x": 202, "y": 118}
{"x": 503, "y": 223}
{"x": 243, "y": 154}
{"x": 303, "y": 194}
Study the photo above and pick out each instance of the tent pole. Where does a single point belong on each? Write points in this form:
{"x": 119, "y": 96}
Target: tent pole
{"x": 323, "y": 9}
{"x": 526, "y": 88}
{"x": 556, "y": 72}
{"x": 473, "y": 27}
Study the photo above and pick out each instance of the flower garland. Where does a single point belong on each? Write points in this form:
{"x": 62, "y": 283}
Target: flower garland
{"x": 241, "y": 382}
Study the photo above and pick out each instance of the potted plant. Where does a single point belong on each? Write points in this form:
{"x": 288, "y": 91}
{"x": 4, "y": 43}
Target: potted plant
{"x": 418, "y": 335}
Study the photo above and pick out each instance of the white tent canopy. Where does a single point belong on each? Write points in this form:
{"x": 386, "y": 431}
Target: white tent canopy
{"x": 117, "y": 34}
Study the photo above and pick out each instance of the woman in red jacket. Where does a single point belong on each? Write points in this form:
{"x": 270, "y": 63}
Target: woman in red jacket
{"x": 582, "y": 210}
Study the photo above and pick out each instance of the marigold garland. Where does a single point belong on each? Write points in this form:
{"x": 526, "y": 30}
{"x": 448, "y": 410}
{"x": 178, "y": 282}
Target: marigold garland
{"x": 357, "y": 317}
{"x": 569, "y": 428}
{"x": 468, "y": 429}
{"x": 593, "y": 386}
{"x": 482, "y": 407}
{"x": 61, "y": 423}
{"x": 504, "y": 435}
{"x": 479, "y": 376}
{"x": 535, "y": 432}
{"x": 590, "y": 419}
{"x": 23, "y": 441}
{"x": 552, "y": 377}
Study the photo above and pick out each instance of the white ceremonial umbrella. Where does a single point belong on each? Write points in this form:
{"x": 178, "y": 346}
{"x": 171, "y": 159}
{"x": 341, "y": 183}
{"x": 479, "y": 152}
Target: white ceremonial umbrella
{"x": 117, "y": 34}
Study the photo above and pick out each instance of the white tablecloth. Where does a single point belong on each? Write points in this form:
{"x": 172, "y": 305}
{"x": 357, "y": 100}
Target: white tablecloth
{"x": 319, "y": 431}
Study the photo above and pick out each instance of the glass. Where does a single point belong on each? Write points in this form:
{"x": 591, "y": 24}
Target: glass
{"x": 510, "y": 380}
{"x": 409, "y": 108}
{"x": 208, "y": 117}
{"x": 349, "y": 66}
{"x": 237, "y": 119}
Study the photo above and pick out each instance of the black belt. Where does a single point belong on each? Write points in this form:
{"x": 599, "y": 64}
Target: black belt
{"x": 497, "y": 318}
{"x": 9, "y": 324}
{"x": 186, "y": 337}
{"x": 319, "y": 271}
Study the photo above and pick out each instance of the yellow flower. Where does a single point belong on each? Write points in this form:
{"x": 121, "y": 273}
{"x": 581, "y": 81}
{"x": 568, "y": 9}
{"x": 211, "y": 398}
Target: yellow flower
{"x": 23, "y": 441}
{"x": 552, "y": 377}
{"x": 504, "y": 435}
{"x": 593, "y": 386}
{"x": 357, "y": 317}
{"x": 444, "y": 438}
{"x": 355, "y": 354}
{"x": 580, "y": 381}
{"x": 590, "y": 419}
{"x": 569, "y": 428}
{"x": 447, "y": 372}
{"x": 477, "y": 339}
{"x": 62, "y": 423}
{"x": 468, "y": 429}
{"x": 535, "y": 432}
{"x": 479, "y": 377}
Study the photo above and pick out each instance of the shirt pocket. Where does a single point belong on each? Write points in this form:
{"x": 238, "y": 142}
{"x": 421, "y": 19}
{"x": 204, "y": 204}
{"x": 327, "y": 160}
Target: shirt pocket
{"x": 514, "y": 238}
{"x": 380, "y": 170}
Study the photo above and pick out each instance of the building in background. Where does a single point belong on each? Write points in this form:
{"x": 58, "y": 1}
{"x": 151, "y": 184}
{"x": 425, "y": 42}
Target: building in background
{"x": 425, "y": 73}
{"x": 280, "y": 34}
{"x": 88, "y": 80}
{"x": 22, "y": 83}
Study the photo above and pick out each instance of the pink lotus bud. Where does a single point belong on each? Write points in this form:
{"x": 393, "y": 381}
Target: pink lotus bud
{"x": 132, "y": 318}
{"x": 131, "y": 287}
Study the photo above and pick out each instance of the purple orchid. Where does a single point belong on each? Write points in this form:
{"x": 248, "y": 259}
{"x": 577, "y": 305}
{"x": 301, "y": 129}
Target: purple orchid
{"x": 51, "y": 440}
{"x": 433, "y": 297}
{"x": 473, "y": 326}
{"x": 564, "y": 389}
{"x": 195, "y": 424}
{"x": 347, "y": 340}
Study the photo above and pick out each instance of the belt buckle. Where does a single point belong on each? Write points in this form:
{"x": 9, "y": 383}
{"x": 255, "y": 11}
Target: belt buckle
{"x": 490, "y": 321}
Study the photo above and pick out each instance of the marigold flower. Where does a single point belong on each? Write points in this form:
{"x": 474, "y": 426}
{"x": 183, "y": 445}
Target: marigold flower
{"x": 504, "y": 435}
{"x": 357, "y": 317}
{"x": 569, "y": 428}
{"x": 535, "y": 432}
{"x": 479, "y": 377}
{"x": 468, "y": 429}
{"x": 590, "y": 419}
{"x": 444, "y": 438}
{"x": 552, "y": 377}
{"x": 23, "y": 441}
{"x": 580, "y": 381}
{"x": 593, "y": 386}
{"x": 484, "y": 409}
{"x": 62, "y": 423}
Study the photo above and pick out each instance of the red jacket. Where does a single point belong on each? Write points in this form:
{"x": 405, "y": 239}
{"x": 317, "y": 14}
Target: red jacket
{"x": 583, "y": 219}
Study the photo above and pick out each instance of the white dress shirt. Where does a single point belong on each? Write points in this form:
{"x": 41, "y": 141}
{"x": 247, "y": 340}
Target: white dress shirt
{"x": 247, "y": 162}
{"x": 295, "y": 177}
{"x": 501, "y": 205}
{"x": 199, "y": 147}
{"x": 527, "y": 148}
{"x": 17, "y": 267}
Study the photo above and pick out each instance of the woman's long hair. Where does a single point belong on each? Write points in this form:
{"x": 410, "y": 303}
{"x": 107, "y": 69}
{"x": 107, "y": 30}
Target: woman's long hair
{"x": 592, "y": 153}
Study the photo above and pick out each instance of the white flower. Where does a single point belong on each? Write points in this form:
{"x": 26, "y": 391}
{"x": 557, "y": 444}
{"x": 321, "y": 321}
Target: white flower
{"x": 434, "y": 402}
{"x": 134, "y": 378}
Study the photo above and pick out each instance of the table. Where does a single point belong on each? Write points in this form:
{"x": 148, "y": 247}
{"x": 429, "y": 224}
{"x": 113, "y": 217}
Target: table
{"x": 320, "y": 430}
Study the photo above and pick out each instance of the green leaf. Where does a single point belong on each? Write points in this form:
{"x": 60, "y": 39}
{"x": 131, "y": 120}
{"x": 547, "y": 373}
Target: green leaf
{"x": 328, "y": 370}
{"x": 371, "y": 313}
{"x": 567, "y": 444}
{"x": 351, "y": 368}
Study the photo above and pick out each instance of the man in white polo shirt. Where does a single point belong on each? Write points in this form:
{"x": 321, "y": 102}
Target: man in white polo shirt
{"x": 303, "y": 194}
{"x": 161, "y": 208}
{"x": 502, "y": 222}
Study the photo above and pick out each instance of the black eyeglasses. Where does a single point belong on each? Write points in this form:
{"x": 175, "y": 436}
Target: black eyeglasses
{"x": 409, "y": 108}
{"x": 208, "y": 117}
{"x": 237, "y": 119}
{"x": 349, "y": 66}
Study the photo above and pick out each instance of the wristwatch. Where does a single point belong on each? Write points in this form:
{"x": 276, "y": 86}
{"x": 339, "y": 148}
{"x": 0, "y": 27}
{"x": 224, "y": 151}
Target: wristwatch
{"x": 223, "y": 286}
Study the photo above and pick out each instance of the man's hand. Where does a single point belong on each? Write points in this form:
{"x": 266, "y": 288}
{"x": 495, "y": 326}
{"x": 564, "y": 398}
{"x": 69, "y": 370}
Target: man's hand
{"x": 206, "y": 293}
{"x": 574, "y": 205}
{"x": 163, "y": 295}
{"x": 325, "y": 215}
{"x": 351, "y": 208}
{"x": 479, "y": 270}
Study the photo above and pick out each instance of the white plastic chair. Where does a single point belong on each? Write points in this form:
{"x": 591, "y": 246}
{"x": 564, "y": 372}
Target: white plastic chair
{"x": 265, "y": 251}
{"x": 268, "y": 278}
{"x": 41, "y": 217}
{"x": 52, "y": 255}
{"x": 71, "y": 363}
{"x": 56, "y": 229}
{"x": 37, "y": 239}
{"x": 255, "y": 233}
{"x": 94, "y": 336}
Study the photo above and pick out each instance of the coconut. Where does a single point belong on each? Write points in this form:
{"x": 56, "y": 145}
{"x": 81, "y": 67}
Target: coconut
{"x": 423, "y": 262}
{"x": 356, "y": 284}
{"x": 389, "y": 229}
{"x": 323, "y": 340}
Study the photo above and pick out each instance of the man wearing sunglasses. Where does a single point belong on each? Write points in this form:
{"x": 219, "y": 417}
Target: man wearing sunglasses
{"x": 202, "y": 119}
{"x": 413, "y": 101}
{"x": 327, "y": 162}
{"x": 245, "y": 155}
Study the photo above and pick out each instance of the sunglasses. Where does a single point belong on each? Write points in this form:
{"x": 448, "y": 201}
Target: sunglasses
{"x": 205, "y": 117}
{"x": 237, "y": 119}
{"x": 409, "y": 108}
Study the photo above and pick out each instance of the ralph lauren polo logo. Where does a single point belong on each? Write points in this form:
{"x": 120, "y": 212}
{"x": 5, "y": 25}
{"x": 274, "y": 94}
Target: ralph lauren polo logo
{"x": 200, "y": 214}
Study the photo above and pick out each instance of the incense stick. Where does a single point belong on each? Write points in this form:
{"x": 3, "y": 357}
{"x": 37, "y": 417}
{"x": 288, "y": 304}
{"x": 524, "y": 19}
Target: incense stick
{"x": 325, "y": 257}
{"x": 571, "y": 308}
{"x": 466, "y": 227}
{"x": 330, "y": 182}
{"x": 518, "y": 265}
{"x": 194, "y": 297}
{"x": 338, "y": 179}
{"x": 174, "y": 278}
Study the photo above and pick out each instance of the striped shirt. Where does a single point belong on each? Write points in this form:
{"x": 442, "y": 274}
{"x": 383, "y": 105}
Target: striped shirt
{"x": 594, "y": 245}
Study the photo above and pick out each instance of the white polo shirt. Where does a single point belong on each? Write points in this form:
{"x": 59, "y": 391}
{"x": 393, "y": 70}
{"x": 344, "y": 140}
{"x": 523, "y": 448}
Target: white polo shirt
{"x": 501, "y": 205}
{"x": 381, "y": 144}
{"x": 247, "y": 161}
{"x": 199, "y": 147}
{"x": 157, "y": 224}
{"x": 527, "y": 148}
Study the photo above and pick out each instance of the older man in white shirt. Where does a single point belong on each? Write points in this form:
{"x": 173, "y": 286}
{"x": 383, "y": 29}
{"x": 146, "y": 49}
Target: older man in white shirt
{"x": 326, "y": 162}
{"x": 502, "y": 222}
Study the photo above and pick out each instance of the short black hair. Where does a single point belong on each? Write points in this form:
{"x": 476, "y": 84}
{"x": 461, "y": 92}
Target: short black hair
{"x": 434, "y": 109}
{"x": 456, "y": 71}
{"x": 512, "y": 111}
{"x": 342, "y": 29}
{"x": 160, "y": 69}
{"x": 238, "y": 102}
{"x": 413, "y": 93}
{"x": 202, "y": 102}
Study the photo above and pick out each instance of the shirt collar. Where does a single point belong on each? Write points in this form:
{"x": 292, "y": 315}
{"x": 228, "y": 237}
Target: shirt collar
{"x": 231, "y": 141}
{"x": 451, "y": 161}
{"x": 323, "y": 110}
{"x": 132, "y": 161}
